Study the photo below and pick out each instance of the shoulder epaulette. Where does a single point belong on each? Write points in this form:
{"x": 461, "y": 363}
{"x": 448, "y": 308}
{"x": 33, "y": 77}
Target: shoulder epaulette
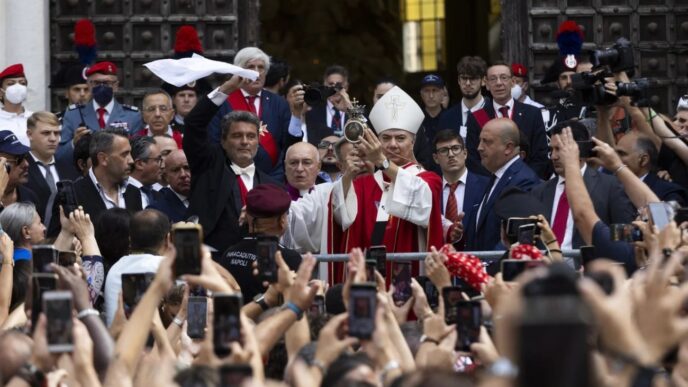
{"x": 129, "y": 107}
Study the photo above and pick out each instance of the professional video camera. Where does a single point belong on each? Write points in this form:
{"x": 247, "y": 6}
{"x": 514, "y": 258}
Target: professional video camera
{"x": 589, "y": 87}
{"x": 315, "y": 93}
{"x": 618, "y": 58}
{"x": 637, "y": 90}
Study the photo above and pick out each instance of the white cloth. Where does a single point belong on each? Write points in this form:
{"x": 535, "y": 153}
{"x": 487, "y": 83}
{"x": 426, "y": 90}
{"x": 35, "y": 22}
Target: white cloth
{"x": 51, "y": 166}
{"x": 246, "y": 174}
{"x": 129, "y": 264}
{"x": 109, "y": 203}
{"x": 567, "y": 243}
{"x": 16, "y": 123}
{"x": 180, "y": 72}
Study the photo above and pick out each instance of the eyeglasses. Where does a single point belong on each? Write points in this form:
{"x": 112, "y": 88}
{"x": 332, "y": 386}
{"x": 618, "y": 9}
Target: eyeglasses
{"x": 102, "y": 83}
{"x": 152, "y": 109}
{"x": 455, "y": 149}
{"x": 326, "y": 144}
{"x": 156, "y": 159}
{"x": 467, "y": 79}
{"x": 16, "y": 160}
{"x": 504, "y": 78}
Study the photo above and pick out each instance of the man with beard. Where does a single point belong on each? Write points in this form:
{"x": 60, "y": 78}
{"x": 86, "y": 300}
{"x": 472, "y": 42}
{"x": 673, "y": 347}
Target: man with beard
{"x": 329, "y": 170}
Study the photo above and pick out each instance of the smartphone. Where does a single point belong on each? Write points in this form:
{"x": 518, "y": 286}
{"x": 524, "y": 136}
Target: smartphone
{"x": 134, "y": 286}
{"x": 401, "y": 278}
{"x": 377, "y": 256}
{"x": 42, "y": 256}
{"x": 362, "y": 306}
{"x": 187, "y": 240}
{"x": 66, "y": 258}
{"x": 266, "y": 248}
{"x": 511, "y": 268}
{"x": 57, "y": 306}
{"x": 681, "y": 215}
{"x": 317, "y": 307}
{"x": 587, "y": 254}
{"x": 430, "y": 291}
{"x": 233, "y": 375}
{"x": 451, "y": 295}
{"x": 66, "y": 196}
{"x": 513, "y": 225}
{"x": 660, "y": 214}
{"x": 468, "y": 323}
{"x": 526, "y": 234}
{"x": 226, "y": 322}
{"x": 585, "y": 149}
{"x": 197, "y": 317}
{"x": 40, "y": 283}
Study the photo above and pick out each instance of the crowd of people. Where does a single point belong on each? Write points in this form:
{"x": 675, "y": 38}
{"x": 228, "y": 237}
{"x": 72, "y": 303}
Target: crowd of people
{"x": 176, "y": 242}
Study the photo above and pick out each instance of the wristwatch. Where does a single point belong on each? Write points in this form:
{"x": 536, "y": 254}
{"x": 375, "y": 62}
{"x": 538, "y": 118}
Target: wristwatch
{"x": 385, "y": 164}
{"x": 260, "y": 300}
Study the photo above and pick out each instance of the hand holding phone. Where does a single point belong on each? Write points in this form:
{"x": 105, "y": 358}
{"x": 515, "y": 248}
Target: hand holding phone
{"x": 362, "y": 307}
{"x": 468, "y": 323}
{"x": 376, "y": 257}
{"x": 226, "y": 322}
{"x": 42, "y": 256}
{"x": 57, "y": 306}
{"x": 187, "y": 240}
{"x": 266, "y": 248}
{"x": 401, "y": 278}
{"x": 134, "y": 286}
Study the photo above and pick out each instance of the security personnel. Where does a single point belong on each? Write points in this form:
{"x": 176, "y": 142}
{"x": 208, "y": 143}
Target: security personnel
{"x": 101, "y": 112}
{"x": 73, "y": 80}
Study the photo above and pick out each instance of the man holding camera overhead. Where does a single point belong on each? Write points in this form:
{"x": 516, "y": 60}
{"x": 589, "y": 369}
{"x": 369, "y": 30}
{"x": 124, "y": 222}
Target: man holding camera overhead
{"x": 398, "y": 206}
{"x": 328, "y": 117}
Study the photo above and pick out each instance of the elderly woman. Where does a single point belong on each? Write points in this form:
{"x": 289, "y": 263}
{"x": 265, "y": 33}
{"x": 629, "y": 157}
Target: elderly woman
{"x": 21, "y": 223}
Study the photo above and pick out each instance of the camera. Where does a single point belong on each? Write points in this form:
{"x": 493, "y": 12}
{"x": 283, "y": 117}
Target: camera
{"x": 315, "y": 93}
{"x": 618, "y": 57}
{"x": 589, "y": 88}
{"x": 637, "y": 90}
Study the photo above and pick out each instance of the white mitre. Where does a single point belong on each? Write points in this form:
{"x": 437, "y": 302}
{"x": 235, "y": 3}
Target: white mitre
{"x": 396, "y": 110}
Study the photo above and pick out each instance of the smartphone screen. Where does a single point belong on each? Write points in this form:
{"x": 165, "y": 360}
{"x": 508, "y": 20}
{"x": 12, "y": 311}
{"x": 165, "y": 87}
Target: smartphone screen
{"x": 511, "y": 268}
{"x": 42, "y": 256}
{"x": 513, "y": 224}
{"x": 585, "y": 149}
{"x": 40, "y": 283}
{"x": 526, "y": 234}
{"x": 659, "y": 213}
{"x": 377, "y": 255}
{"x": 134, "y": 286}
{"x": 233, "y": 375}
{"x": 469, "y": 320}
{"x": 197, "y": 317}
{"x": 66, "y": 258}
{"x": 362, "y": 306}
{"x": 57, "y": 306}
{"x": 266, "y": 248}
{"x": 317, "y": 307}
{"x": 430, "y": 291}
{"x": 451, "y": 296}
{"x": 226, "y": 322}
{"x": 187, "y": 241}
{"x": 401, "y": 278}
{"x": 66, "y": 196}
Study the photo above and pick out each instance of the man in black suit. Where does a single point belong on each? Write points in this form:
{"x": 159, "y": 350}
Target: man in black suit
{"x": 43, "y": 130}
{"x": 329, "y": 117}
{"x": 106, "y": 185}
{"x": 173, "y": 200}
{"x": 639, "y": 153}
{"x": 499, "y": 152}
{"x": 608, "y": 196}
{"x": 221, "y": 174}
{"x": 528, "y": 119}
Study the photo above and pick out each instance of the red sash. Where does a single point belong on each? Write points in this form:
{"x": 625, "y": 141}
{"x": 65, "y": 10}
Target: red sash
{"x": 239, "y": 102}
{"x": 242, "y": 190}
{"x": 481, "y": 116}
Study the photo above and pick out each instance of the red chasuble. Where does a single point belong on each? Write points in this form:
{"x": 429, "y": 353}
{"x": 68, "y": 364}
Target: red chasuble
{"x": 239, "y": 102}
{"x": 400, "y": 236}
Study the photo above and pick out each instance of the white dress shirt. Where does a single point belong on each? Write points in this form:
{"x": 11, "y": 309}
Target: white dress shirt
{"x": 330, "y": 113}
{"x": 42, "y": 168}
{"x": 246, "y": 174}
{"x": 144, "y": 198}
{"x": 464, "y": 114}
{"x": 510, "y": 104}
{"x": 459, "y": 194}
{"x": 567, "y": 243}
{"x": 16, "y": 123}
{"x": 108, "y": 109}
{"x": 109, "y": 203}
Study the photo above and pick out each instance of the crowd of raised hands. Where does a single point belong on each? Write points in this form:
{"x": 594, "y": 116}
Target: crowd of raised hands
{"x": 551, "y": 326}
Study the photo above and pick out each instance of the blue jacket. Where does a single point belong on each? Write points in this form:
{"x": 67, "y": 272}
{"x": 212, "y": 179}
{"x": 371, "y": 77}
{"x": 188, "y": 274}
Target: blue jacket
{"x": 169, "y": 204}
{"x": 665, "y": 190}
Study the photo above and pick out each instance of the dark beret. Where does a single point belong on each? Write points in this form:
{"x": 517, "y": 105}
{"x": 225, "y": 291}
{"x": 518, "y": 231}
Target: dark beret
{"x": 515, "y": 203}
{"x": 267, "y": 201}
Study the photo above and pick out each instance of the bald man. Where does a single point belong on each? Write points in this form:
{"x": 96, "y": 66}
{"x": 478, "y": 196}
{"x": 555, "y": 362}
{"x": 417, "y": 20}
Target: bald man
{"x": 174, "y": 199}
{"x": 499, "y": 154}
{"x": 302, "y": 164}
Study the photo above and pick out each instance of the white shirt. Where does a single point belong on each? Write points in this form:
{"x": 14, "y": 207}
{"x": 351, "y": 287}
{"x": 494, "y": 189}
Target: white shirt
{"x": 109, "y": 203}
{"x": 51, "y": 167}
{"x": 498, "y": 176}
{"x": 256, "y": 102}
{"x": 246, "y": 174}
{"x": 108, "y": 109}
{"x": 144, "y": 198}
{"x": 330, "y": 113}
{"x": 567, "y": 243}
{"x": 459, "y": 194}
{"x": 149, "y": 133}
{"x": 16, "y": 123}
{"x": 129, "y": 264}
{"x": 464, "y": 114}
{"x": 510, "y": 104}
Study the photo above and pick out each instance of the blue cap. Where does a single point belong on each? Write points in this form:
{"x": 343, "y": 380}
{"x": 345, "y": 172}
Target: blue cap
{"x": 11, "y": 145}
{"x": 432, "y": 80}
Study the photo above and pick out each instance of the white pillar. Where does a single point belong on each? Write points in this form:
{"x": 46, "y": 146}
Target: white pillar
{"x": 24, "y": 28}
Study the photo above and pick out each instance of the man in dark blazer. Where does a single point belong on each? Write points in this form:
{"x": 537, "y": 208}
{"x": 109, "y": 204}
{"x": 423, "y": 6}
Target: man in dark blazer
{"x": 43, "y": 130}
{"x": 640, "y": 154}
{"x": 328, "y": 118}
{"x": 608, "y": 197}
{"x": 528, "y": 119}
{"x": 106, "y": 184}
{"x": 221, "y": 175}
{"x": 461, "y": 188}
{"x": 499, "y": 152}
{"x": 173, "y": 200}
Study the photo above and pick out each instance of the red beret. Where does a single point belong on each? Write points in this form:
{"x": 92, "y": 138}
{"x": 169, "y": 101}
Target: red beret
{"x": 519, "y": 70}
{"x": 14, "y": 71}
{"x": 267, "y": 201}
{"x": 107, "y": 68}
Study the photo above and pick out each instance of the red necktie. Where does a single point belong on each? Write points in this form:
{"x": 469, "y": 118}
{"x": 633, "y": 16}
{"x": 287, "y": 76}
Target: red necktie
{"x": 504, "y": 111}
{"x": 561, "y": 218}
{"x": 451, "y": 212}
{"x": 101, "y": 117}
{"x": 252, "y": 103}
{"x": 337, "y": 122}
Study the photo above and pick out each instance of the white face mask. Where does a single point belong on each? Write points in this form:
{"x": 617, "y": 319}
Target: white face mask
{"x": 516, "y": 91}
{"x": 16, "y": 93}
